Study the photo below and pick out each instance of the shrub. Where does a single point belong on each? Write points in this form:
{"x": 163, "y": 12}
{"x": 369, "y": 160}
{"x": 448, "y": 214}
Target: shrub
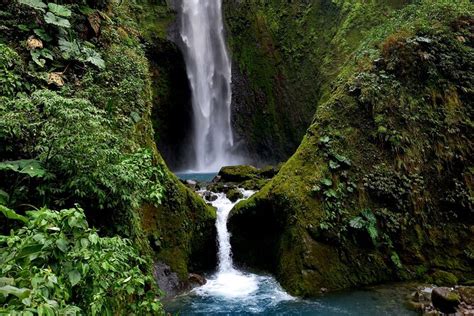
{"x": 56, "y": 264}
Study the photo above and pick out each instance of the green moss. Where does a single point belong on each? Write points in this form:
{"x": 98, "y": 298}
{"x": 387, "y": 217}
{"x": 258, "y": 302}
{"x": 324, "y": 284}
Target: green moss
{"x": 443, "y": 278}
{"x": 382, "y": 139}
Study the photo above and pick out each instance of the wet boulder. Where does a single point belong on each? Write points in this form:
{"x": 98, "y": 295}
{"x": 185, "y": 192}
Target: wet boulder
{"x": 209, "y": 196}
{"x": 234, "y": 194}
{"x": 445, "y": 299}
{"x": 238, "y": 173}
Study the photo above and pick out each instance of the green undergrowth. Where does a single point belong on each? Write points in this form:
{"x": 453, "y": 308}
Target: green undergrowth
{"x": 52, "y": 263}
{"x": 381, "y": 186}
{"x": 75, "y": 104}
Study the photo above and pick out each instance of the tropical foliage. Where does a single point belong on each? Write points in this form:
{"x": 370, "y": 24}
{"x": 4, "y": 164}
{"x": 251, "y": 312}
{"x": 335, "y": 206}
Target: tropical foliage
{"x": 55, "y": 264}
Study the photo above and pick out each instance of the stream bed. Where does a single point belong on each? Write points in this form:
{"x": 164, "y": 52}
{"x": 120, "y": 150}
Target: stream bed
{"x": 232, "y": 291}
{"x": 269, "y": 299}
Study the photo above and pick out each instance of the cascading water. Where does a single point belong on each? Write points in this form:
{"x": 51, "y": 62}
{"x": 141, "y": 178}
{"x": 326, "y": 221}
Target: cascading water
{"x": 230, "y": 283}
{"x": 231, "y": 291}
{"x": 209, "y": 72}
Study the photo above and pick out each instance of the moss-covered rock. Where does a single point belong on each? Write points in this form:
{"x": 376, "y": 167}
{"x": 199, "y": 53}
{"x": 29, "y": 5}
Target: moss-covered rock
{"x": 123, "y": 95}
{"x": 285, "y": 56}
{"x": 238, "y": 173}
{"x": 379, "y": 189}
{"x": 443, "y": 278}
{"x": 234, "y": 194}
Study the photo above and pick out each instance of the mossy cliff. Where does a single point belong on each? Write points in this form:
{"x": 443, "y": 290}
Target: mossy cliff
{"x": 77, "y": 97}
{"x": 381, "y": 186}
{"x": 285, "y": 56}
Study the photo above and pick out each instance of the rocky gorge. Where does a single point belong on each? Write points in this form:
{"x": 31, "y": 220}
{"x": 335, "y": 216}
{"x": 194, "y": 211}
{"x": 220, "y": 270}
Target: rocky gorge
{"x": 362, "y": 109}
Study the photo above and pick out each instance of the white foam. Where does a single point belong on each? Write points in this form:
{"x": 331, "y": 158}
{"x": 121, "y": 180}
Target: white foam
{"x": 230, "y": 283}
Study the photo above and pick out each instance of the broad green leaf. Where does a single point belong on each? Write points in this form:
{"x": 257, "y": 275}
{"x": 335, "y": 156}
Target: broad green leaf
{"x": 50, "y": 18}
{"x": 11, "y": 214}
{"x": 93, "y": 238}
{"x": 93, "y": 57}
{"x": 324, "y": 139}
{"x": 12, "y": 290}
{"x": 43, "y": 35}
{"x": 84, "y": 242}
{"x": 59, "y": 10}
{"x": 369, "y": 216}
{"x": 46, "y": 310}
{"x": 34, "y": 4}
{"x": 373, "y": 233}
{"x": 36, "y": 56}
{"x": 62, "y": 244}
{"x": 74, "y": 277}
{"x": 327, "y": 182}
{"x": 396, "y": 260}
{"x": 69, "y": 49}
{"x": 7, "y": 281}
{"x": 29, "y": 250}
{"x": 331, "y": 193}
{"x": 31, "y": 167}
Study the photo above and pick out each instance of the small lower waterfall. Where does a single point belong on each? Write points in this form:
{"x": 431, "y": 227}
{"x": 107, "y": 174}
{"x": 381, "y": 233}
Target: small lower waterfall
{"x": 229, "y": 282}
{"x": 232, "y": 291}
{"x": 209, "y": 71}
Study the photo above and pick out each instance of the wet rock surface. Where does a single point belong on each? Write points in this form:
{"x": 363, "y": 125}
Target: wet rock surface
{"x": 169, "y": 282}
{"x": 457, "y": 300}
{"x": 445, "y": 299}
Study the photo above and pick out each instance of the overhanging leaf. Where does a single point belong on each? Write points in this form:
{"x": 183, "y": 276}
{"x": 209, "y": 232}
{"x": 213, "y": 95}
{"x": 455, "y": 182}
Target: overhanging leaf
{"x": 29, "y": 250}
{"x": 12, "y": 290}
{"x": 59, "y": 10}
{"x": 30, "y": 167}
{"x": 43, "y": 35}
{"x": 4, "y": 197}
{"x": 74, "y": 277}
{"x": 11, "y": 214}
{"x": 62, "y": 244}
{"x": 34, "y": 4}
{"x": 50, "y": 18}
{"x": 357, "y": 222}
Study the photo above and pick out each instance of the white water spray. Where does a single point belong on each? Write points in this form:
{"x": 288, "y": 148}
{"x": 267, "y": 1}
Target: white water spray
{"x": 209, "y": 72}
{"x": 230, "y": 282}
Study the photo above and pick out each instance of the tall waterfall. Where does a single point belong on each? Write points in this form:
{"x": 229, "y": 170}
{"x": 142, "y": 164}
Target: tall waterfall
{"x": 209, "y": 72}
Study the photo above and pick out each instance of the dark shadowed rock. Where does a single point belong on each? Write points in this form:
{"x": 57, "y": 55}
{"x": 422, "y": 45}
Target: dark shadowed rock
{"x": 238, "y": 173}
{"x": 209, "y": 196}
{"x": 167, "y": 280}
{"x": 445, "y": 299}
{"x": 196, "y": 280}
{"x": 234, "y": 194}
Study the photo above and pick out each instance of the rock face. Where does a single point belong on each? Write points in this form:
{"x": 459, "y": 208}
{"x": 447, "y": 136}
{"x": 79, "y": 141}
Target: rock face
{"x": 380, "y": 187}
{"x": 168, "y": 281}
{"x": 285, "y": 55}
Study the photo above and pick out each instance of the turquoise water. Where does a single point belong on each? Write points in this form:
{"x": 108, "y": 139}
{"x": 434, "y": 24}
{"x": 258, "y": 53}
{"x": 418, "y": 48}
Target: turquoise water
{"x": 231, "y": 291}
{"x": 199, "y": 177}
{"x": 380, "y": 300}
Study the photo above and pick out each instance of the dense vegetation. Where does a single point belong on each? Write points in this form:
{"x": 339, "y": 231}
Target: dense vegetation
{"x": 56, "y": 265}
{"x": 381, "y": 186}
{"x": 76, "y": 98}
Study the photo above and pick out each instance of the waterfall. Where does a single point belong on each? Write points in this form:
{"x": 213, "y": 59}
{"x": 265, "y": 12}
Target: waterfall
{"x": 224, "y": 206}
{"x": 228, "y": 281}
{"x": 209, "y": 72}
